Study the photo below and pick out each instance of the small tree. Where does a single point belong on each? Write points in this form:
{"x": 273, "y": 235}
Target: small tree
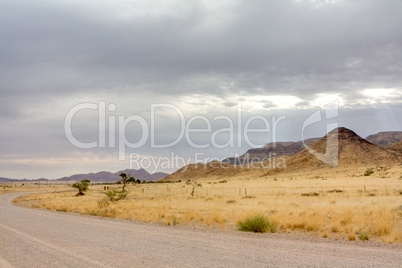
{"x": 124, "y": 179}
{"x": 195, "y": 184}
{"x": 81, "y": 186}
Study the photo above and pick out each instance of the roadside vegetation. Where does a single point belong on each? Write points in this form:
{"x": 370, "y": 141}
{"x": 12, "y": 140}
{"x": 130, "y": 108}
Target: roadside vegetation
{"x": 258, "y": 224}
{"x": 82, "y": 186}
{"x": 347, "y": 205}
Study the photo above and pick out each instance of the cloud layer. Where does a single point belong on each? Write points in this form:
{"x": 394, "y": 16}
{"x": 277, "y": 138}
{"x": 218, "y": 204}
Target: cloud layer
{"x": 276, "y": 57}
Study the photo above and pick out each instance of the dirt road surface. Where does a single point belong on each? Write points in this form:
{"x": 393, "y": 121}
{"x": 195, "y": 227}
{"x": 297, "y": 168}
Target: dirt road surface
{"x": 39, "y": 238}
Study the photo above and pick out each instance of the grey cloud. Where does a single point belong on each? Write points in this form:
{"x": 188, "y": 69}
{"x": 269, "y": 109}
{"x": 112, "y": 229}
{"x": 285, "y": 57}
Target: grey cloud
{"x": 72, "y": 51}
{"x": 230, "y": 104}
{"x": 273, "y": 40}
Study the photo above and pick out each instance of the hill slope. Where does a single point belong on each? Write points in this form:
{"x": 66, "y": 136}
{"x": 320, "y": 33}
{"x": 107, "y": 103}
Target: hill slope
{"x": 212, "y": 170}
{"x": 385, "y": 139}
{"x": 344, "y": 148}
{"x": 341, "y": 148}
{"x": 396, "y": 148}
{"x": 270, "y": 150}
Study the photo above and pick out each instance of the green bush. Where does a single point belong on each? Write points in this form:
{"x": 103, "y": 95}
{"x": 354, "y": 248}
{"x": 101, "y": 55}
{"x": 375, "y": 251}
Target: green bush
{"x": 81, "y": 186}
{"x": 363, "y": 235}
{"x": 368, "y": 172}
{"x": 115, "y": 195}
{"x": 257, "y": 224}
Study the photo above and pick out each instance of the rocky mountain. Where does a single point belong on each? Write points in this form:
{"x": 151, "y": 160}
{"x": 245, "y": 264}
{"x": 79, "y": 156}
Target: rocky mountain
{"x": 341, "y": 148}
{"x": 270, "y": 150}
{"x": 344, "y": 148}
{"x": 385, "y": 139}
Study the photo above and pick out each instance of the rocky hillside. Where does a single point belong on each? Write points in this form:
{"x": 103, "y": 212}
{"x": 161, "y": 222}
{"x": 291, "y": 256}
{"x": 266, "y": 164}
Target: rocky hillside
{"x": 342, "y": 147}
{"x": 385, "y": 139}
{"x": 397, "y": 147}
{"x": 271, "y": 150}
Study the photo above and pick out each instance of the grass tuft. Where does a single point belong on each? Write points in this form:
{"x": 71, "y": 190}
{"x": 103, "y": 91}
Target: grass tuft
{"x": 257, "y": 224}
{"x": 363, "y": 235}
{"x": 351, "y": 237}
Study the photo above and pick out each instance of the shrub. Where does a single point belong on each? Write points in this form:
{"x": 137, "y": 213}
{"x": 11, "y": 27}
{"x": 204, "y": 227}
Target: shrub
{"x": 310, "y": 194}
{"x": 81, "y": 186}
{"x": 257, "y": 224}
{"x": 115, "y": 195}
{"x": 103, "y": 203}
{"x": 363, "y": 235}
{"x": 368, "y": 172}
{"x": 335, "y": 191}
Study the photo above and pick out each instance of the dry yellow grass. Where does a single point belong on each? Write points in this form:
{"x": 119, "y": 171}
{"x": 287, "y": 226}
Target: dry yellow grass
{"x": 29, "y": 187}
{"x": 332, "y": 204}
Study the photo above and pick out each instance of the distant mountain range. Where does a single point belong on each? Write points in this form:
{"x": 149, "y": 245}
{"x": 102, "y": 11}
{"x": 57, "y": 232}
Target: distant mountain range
{"x": 3, "y": 180}
{"x": 102, "y": 176}
{"x": 383, "y": 147}
{"x": 385, "y": 139}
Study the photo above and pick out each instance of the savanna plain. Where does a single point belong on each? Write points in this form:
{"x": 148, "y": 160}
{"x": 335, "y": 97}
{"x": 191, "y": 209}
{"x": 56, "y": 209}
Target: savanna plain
{"x": 341, "y": 204}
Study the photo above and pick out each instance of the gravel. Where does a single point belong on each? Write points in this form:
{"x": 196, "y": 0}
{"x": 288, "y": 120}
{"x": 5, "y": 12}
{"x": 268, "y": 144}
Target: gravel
{"x": 40, "y": 238}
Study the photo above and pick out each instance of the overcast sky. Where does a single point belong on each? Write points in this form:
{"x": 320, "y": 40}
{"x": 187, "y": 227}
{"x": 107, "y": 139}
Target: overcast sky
{"x": 273, "y": 59}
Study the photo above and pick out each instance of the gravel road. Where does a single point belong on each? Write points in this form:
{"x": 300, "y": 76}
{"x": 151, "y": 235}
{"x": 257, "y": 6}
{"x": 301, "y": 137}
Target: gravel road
{"x": 39, "y": 238}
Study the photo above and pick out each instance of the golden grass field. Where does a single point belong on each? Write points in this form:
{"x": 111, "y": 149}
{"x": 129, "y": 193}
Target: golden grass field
{"x": 340, "y": 204}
